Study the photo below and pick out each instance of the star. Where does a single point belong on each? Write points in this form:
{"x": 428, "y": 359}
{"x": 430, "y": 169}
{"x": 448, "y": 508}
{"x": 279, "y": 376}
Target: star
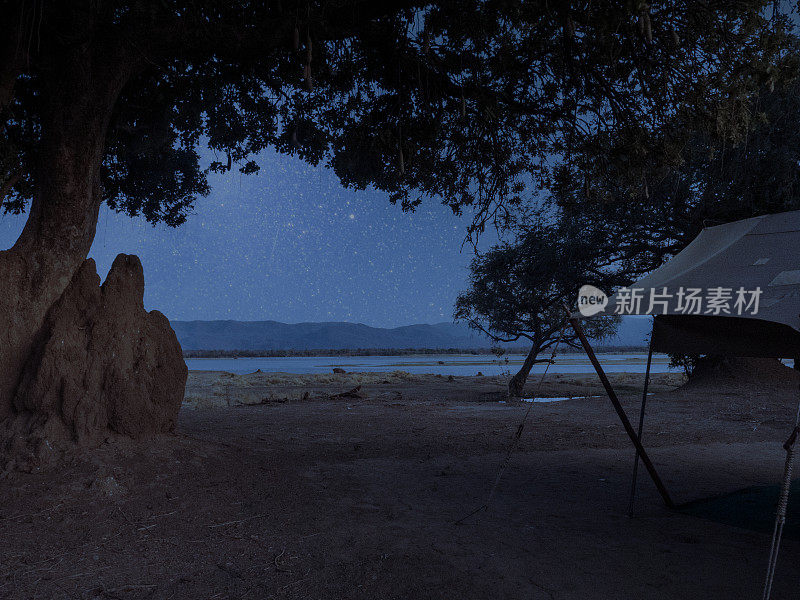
{"x": 272, "y": 247}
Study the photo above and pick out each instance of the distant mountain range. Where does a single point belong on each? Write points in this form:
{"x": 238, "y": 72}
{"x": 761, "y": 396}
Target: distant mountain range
{"x": 272, "y": 335}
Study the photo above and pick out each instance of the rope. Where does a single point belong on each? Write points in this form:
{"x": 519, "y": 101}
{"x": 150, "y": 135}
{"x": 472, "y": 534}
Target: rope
{"x": 515, "y": 440}
{"x": 783, "y": 501}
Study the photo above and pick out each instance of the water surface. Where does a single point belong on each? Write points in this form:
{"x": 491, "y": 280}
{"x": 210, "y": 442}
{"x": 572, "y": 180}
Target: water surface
{"x": 441, "y": 364}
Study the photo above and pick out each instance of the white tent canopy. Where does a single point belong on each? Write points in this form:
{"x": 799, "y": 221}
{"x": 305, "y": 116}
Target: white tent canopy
{"x": 734, "y": 290}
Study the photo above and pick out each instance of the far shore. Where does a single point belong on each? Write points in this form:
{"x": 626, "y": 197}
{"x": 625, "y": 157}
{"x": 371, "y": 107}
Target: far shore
{"x": 393, "y": 352}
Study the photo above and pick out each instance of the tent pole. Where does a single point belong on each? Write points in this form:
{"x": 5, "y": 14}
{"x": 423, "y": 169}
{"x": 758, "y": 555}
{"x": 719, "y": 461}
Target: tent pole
{"x": 641, "y": 425}
{"x": 651, "y": 470}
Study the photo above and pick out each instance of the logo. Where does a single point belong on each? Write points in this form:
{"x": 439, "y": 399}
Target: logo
{"x": 591, "y": 300}
{"x": 715, "y": 301}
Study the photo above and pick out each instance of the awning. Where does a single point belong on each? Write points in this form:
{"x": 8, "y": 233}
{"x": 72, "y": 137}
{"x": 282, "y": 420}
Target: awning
{"x": 734, "y": 290}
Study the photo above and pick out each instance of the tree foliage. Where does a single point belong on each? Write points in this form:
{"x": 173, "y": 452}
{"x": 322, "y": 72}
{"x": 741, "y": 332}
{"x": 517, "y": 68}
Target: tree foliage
{"x": 716, "y": 182}
{"x": 471, "y": 101}
{"x": 518, "y": 290}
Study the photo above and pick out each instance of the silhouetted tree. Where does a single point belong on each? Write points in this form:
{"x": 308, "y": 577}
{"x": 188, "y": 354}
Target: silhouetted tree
{"x": 716, "y": 182}
{"x": 518, "y": 290}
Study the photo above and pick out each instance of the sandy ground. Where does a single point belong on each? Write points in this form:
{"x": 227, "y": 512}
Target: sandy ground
{"x": 274, "y": 487}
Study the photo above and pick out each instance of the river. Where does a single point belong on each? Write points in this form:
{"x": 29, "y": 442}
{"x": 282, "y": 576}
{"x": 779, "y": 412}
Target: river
{"x": 442, "y": 364}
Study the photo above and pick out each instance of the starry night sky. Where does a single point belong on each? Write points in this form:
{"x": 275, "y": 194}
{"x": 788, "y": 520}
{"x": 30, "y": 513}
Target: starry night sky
{"x": 291, "y": 244}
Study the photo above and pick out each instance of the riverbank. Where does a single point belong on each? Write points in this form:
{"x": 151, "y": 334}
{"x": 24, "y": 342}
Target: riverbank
{"x": 441, "y": 364}
{"x": 214, "y": 389}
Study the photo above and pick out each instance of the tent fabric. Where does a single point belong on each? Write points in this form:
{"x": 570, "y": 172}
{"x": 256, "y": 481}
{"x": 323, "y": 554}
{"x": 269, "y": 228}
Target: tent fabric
{"x": 725, "y": 336}
{"x": 757, "y": 254}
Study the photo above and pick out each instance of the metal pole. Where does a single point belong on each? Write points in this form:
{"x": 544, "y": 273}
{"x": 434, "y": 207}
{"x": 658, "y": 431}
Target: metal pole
{"x": 651, "y": 470}
{"x": 641, "y": 425}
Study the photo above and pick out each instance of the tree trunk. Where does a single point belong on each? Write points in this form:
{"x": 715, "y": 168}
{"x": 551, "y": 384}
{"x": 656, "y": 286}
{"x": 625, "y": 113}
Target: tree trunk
{"x": 517, "y": 383}
{"x": 58, "y": 234}
{"x": 58, "y": 329}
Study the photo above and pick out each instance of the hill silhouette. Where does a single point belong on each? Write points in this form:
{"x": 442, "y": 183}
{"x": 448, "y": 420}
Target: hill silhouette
{"x": 273, "y": 335}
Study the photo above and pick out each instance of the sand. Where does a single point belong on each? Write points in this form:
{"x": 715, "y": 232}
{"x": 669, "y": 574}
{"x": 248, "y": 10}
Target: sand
{"x": 273, "y": 487}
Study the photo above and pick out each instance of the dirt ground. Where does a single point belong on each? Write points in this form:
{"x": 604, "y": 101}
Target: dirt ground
{"x": 274, "y": 487}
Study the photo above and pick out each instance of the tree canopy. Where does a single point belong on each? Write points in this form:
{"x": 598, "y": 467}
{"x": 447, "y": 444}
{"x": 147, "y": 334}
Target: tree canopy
{"x": 518, "y": 290}
{"x": 716, "y": 182}
{"x": 473, "y": 102}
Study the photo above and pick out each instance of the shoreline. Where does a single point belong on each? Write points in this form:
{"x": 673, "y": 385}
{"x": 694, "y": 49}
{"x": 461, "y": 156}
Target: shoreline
{"x": 456, "y": 365}
{"x": 217, "y": 389}
{"x": 392, "y": 352}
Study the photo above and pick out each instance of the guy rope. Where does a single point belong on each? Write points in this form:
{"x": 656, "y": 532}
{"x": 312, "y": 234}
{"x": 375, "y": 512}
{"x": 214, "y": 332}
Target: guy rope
{"x": 783, "y": 501}
{"x": 515, "y": 440}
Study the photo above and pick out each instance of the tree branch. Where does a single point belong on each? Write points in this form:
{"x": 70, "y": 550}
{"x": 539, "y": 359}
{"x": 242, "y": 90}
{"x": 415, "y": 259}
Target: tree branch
{"x": 173, "y": 36}
{"x": 13, "y": 54}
